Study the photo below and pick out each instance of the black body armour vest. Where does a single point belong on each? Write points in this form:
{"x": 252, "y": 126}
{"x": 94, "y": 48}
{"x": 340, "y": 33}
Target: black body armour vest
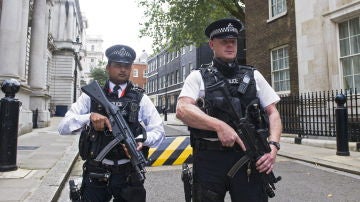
{"x": 92, "y": 142}
{"x": 239, "y": 81}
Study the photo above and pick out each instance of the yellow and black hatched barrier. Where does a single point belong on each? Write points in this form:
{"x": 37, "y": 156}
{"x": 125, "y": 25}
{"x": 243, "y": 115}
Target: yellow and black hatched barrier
{"x": 172, "y": 151}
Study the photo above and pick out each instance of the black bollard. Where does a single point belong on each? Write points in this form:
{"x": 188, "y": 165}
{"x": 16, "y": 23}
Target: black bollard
{"x": 35, "y": 118}
{"x": 9, "y": 120}
{"x": 342, "y": 142}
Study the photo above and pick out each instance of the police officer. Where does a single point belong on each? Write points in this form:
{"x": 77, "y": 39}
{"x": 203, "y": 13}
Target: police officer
{"x": 112, "y": 177}
{"x": 216, "y": 145}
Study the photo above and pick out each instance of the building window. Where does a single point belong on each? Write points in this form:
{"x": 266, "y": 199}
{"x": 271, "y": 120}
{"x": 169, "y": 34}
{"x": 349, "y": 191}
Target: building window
{"x": 349, "y": 39}
{"x": 135, "y": 73}
{"x": 92, "y": 47}
{"x": 171, "y": 82}
{"x": 183, "y": 73}
{"x": 163, "y": 84}
{"x": 277, "y": 8}
{"x": 280, "y": 69}
{"x": 190, "y": 67}
{"x": 177, "y": 76}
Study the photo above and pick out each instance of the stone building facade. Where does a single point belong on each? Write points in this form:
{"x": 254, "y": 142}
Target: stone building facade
{"x": 37, "y": 48}
{"x": 305, "y": 46}
{"x": 328, "y": 41}
{"x": 94, "y": 56}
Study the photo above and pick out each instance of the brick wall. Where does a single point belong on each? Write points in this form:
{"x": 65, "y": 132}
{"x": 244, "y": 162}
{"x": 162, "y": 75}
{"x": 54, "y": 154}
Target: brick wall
{"x": 263, "y": 36}
{"x": 140, "y": 80}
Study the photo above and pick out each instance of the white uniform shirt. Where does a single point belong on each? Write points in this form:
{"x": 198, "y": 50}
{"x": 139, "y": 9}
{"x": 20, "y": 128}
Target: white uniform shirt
{"x": 79, "y": 115}
{"x": 194, "y": 88}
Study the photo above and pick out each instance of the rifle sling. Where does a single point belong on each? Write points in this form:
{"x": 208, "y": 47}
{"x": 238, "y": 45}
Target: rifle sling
{"x": 106, "y": 149}
{"x": 238, "y": 165}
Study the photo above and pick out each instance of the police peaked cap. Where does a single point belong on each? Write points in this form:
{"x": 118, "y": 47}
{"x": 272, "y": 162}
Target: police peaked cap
{"x": 224, "y": 28}
{"x": 121, "y": 54}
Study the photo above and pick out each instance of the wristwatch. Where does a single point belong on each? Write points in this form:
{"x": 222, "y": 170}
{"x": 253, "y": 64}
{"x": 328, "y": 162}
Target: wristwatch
{"x": 276, "y": 144}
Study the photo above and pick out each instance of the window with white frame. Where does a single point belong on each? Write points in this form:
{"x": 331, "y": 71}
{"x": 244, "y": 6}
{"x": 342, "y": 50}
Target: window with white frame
{"x": 349, "y": 39}
{"x": 177, "y": 76}
{"x": 190, "y": 67}
{"x": 167, "y": 80}
{"x": 277, "y": 8}
{"x": 160, "y": 60}
{"x": 183, "y": 73}
{"x": 135, "y": 73}
{"x": 280, "y": 69}
{"x": 163, "y": 81}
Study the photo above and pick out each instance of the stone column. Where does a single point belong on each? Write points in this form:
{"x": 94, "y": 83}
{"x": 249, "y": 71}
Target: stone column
{"x": 38, "y": 63}
{"x": 71, "y": 23}
{"x": 37, "y": 71}
{"x": 10, "y": 37}
{"x": 23, "y": 38}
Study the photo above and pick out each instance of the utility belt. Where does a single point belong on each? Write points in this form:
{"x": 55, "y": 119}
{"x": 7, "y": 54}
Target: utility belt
{"x": 207, "y": 145}
{"x": 107, "y": 166}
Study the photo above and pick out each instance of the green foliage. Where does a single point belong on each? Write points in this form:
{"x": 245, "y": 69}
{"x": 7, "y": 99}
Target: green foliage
{"x": 177, "y": 23}
{"x": 99, "y": 73}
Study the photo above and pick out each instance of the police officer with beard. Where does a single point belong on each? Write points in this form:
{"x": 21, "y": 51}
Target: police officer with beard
{"x": 216, "y": 145}
{"x": 111, "y": 178}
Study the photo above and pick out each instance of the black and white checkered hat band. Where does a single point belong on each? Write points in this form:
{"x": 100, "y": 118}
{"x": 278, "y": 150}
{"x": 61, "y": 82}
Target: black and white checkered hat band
{"x": 230, "y": 28}
{"x": 122, "y": 52}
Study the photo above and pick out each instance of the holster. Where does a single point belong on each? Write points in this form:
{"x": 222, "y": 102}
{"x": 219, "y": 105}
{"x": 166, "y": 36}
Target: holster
{"x": 90, "y": 143}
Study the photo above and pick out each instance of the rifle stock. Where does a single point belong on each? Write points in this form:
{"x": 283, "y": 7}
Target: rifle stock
{"x": 120, "y": 130}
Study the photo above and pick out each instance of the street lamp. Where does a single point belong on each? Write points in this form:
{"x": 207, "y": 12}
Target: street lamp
{"x": 77, "y": 46}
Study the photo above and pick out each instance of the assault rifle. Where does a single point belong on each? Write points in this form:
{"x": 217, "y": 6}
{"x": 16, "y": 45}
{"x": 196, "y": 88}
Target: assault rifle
{"x": 255, "y": 140}
{"x": 120, "y": 130}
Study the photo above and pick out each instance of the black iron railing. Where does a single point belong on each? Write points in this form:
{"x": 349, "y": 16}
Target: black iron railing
{"x": 313, "y": 114}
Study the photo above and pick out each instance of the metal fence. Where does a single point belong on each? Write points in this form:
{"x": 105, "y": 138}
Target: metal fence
{"x": 314, "y": 113}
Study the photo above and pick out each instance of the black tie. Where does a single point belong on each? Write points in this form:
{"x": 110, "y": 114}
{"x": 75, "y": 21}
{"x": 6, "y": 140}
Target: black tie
{"x": 115, "y": 90}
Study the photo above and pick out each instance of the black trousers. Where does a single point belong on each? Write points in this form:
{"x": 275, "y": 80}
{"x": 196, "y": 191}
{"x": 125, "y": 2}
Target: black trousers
{"x": 118, "y": 186}
{"x": 211, "y": 182}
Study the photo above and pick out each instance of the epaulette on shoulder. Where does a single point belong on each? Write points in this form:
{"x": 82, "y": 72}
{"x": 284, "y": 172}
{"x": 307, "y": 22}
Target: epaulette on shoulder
{"x": 204, "y": 66}
{"x": 138, "y": 89}
{"x": 248, "y": 67}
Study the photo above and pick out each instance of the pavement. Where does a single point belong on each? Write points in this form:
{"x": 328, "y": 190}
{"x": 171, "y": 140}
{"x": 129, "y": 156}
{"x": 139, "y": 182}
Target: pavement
{"x": 44, "y": 160}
